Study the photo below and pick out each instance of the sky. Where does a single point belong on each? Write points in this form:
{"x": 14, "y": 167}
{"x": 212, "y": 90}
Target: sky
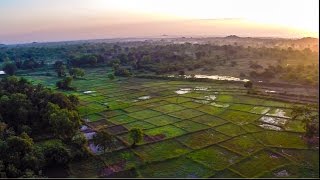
{"x": 24, "y": 21}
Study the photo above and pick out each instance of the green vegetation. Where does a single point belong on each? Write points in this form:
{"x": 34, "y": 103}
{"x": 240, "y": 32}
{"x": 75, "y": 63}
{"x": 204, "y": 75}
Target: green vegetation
{"x": 180, "y": 132}
{"x": 136, "y": 135}
{"x": 27, "y": 114}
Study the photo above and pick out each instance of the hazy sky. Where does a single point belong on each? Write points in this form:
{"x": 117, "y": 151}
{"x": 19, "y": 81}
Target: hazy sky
{"x": 55, "y": 20}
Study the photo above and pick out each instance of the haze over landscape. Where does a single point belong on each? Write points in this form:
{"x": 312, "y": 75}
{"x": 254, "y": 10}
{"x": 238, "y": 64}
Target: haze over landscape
{"x": 25, "y": 21}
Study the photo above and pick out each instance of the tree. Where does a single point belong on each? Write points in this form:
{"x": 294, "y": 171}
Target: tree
{"x": 309, "y": 117}
{"x": 136, "y": 135}
{"x": 111, "y": 76}
{"x": 248, "y": 85}
{"x": 76, "y": 72}
{"x": 10, "y": 68}
{"x": 60, "y": 68}
{"x": 104, "y": 140}
{"x": 65, "y": 83}
{"x": 64, "y": 123}
{"x": 56, "y": 153}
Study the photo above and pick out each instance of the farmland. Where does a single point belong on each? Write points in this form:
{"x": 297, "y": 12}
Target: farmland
{"x": 229, "y": 134}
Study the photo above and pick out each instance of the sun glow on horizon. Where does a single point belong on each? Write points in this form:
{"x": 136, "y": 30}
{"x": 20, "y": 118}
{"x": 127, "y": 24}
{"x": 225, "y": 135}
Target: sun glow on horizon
{"x": 298, "y": 14}
{"x": 78, "y": 19}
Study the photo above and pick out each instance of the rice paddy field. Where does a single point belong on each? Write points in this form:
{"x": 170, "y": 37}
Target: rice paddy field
{"x": 191, "y": 129}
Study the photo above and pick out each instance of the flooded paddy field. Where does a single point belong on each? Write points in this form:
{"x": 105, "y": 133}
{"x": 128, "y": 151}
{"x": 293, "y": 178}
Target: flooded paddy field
{"x": 191, "y": 129}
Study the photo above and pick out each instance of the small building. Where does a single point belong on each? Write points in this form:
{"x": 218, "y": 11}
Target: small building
{"x": 2, "y": 73}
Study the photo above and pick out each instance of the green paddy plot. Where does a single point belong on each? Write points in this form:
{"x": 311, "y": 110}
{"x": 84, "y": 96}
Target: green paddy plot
{"x": 168, "y": 108}
{"x": 139, "y": 124}
{"x": 168, "y": 169}
{"x": 162, "y": 120}
{"x": 112, "y": 113}
{"x": 250, "y": 100}
{"x": 241, "y": 107}
{"x": 122, "y": 119}
{"x": 161, "y": 151}
{"x": 230, "y": 129}
{"x": 212, "y": 130}
{"x": 211, "y": 109}
{"x": 190, "y": 126}
{"x": 277, "y": 104}
{"x": 307, "y": 157}
{"x": 167, "y": 131}
{"x": 259, "y": 163}
{"x": 94, "y": 117}
{"x": 202, "y": 139}
{"x": 186, "y": 114}
{"x": 244, "y": 145}
{"x": 90, "y": 109}
{"x": 191, "y": 104}
{"x": 238, "y": 117}
{"x": 86, "y": 168}
{"x": 178, "y": 99}
{"x": 291, "y": 171}
{"x": 224, "y": 98}
{"x": 118, "y": 105}
{"x": 295, "y": 126}
{"x": 209, "y": 120}
{"x": 281, "y": 139}
{"x": 260, "y": 110}
{"x": 155, "y": 104}
{"x": 134, "y": 108}
{"x": 144, "y": 114}
{"x": 215, "y": 157}
{"x": 252, "y": 128}
{"x": 226, "y": 173}
{"x": 126, "y": 157}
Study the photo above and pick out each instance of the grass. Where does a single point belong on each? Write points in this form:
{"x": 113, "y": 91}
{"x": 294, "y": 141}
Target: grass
{"x": 168, "y": 130}
{"x": 259, "y": 163}
{"x": 94, "y": 117}
{"x": 144, "y": 114}
{"x": 139, "y": 124}
{"x": 230, "y": 129}
{"x": 110, "y": 114}
{"x": 211, "y": 109}
{"x": 260, "y": 110}
{"x": 224, "y": 98}
{"x": 238, "y": 117}
{"x": 241, "y": 107}
{"x": 191, "y": 104}
{"x": 168, "y": 108}
{"x": 202, "y": 139}
{"x": 168, "y": 169}
{"x": 162, "y": 120}
{"x": 244, "y": 145}
{"x": 214, "y": 157}
{"x": 190, "y": 126}
{"x": 186, "y": 114}
{"x": 281, "y": 139}
{"x": 178, "y": 99}
{"x": 251, "y": 128}
{"x": 122, "y": 119}
{"x": 196, "y": 139}
{"x": 127, "y": 156}
{"x": 134, "y": 108}
{"x": 209, "y": 120}
{"x": 161, "y": 151}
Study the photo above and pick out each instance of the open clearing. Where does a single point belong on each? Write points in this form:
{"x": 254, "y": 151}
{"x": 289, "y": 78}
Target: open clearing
{"x": 186, "y": 134}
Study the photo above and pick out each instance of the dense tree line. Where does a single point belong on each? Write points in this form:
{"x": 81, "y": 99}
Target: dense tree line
{"x": 153, "y": 57}
{"x": 28, "y": 113}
